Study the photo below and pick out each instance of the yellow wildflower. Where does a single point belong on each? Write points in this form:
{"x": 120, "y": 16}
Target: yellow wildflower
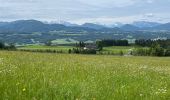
{"x": 23, "y": 89}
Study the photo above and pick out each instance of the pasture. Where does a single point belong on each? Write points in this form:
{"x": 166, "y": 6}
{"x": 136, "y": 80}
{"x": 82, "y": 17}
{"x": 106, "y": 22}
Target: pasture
{"x": 45, "y": 76}
{"x": 112, "y": 50}
{"x": 117, "y": 49}
{"x": 42, "y": 47}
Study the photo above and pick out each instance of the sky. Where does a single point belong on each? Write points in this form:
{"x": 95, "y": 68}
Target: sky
{"x": 82, "y": 11}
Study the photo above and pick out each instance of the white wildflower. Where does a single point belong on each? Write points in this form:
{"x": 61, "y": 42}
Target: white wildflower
{"x": 141, "y": 95}
{"x": 161, "y": 91}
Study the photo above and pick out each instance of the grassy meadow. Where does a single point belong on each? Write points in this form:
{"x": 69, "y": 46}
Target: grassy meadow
{"x": 117, "y": 49}
{"x": 45, "y": 76}
{"x": 113, "y": 49}
{"x": 42, "y": 47}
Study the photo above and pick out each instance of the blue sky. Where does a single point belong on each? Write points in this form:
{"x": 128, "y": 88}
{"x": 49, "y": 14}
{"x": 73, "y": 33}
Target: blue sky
{"x": 81, "y": 11}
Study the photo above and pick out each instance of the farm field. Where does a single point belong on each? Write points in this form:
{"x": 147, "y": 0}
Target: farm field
{"x": 117, "y": 49}
{"x": 41, "y": 47}
{"x": 65, "y": 41}
{"x": 69, "y": 41}
{"x": 112, "y": 49}
{"x": 46, "y": 47}
{"x": 44, "y": 76}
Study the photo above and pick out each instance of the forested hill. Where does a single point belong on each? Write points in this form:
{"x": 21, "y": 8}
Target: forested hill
{"x": 38, "y": 26}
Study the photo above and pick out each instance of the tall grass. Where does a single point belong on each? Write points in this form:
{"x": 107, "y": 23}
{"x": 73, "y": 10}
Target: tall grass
{"x": 36, "y": 76}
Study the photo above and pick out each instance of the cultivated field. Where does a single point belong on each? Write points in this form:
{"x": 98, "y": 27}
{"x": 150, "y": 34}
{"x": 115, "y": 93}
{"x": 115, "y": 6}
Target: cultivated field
{"x": 44, "y": 76}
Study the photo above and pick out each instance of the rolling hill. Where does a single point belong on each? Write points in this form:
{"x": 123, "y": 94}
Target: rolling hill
{"x": 30, "y": 26}
{"x": 129, "y": 27}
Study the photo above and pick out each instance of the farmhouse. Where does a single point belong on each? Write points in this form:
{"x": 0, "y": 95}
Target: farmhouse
{"x": 90, "y": 47}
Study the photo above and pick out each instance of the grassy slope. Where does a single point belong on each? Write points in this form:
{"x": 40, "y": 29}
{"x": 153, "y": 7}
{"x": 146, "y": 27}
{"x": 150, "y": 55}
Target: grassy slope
{"x": 35, "y": 76}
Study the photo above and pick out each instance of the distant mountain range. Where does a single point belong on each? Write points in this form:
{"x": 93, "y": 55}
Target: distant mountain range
{"x": 129, "y": 27}
{"x": 38, "y": 26}
{"x": 143, "y": 24}
{"x": 93, "y": 26}
{"x": 135, "y": 26}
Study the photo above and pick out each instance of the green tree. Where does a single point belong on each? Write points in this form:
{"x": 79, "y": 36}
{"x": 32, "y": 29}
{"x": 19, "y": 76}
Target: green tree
{"x": 48, "y": 43}
{"x": 69, "y": 51}
{"x": 121, "y": 53}
{"x": 157, "y": 50}
{"x": 99, "y": 45}
{"x": 2, "y": 45}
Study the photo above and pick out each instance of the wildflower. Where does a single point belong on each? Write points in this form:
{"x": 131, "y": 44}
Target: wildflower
{"x": 161, "y": 91}
{"x": 123, "y": 86}
{"x": 94, "y": 99}
{"x": 18, "y": 83}
{"x": 141, "y": 95}
{"x": 23, "y": 89}
{"x": 156, "y": 92}
{"x": 1, "y": 60}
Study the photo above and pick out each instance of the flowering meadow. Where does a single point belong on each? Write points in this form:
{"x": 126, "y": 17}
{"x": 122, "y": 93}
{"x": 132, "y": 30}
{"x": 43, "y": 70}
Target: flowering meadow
{"x": 45, "y": 76}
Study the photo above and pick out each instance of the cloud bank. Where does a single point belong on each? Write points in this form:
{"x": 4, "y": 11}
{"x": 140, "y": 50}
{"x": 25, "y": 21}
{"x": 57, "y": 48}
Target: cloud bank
{"x": 80, "y": 11}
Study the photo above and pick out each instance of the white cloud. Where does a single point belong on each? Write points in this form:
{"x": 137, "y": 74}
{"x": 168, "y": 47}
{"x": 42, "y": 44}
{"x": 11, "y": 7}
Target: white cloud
{"x": 126, "y": 19}
{"x": 149, "y": 15}
{"x": 108, "y": 20}
{"x": 108, "y": 3}
{"x": 150, "y": 1}
{"x": 79, "y": 11}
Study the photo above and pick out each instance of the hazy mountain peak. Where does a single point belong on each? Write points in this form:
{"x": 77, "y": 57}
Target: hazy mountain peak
{"x": 93, "y": 26}
{"x": 129, "y": 27}
{"x": 143, "y": 24}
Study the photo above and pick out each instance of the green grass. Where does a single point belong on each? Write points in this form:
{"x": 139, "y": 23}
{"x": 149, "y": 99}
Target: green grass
{"x": 41, "y": 76}
{"x": 68, "y": 41}
{"x": 117, "y": 49}
{"x": 65, "y": 41}
{"x": 111, "y": 50}
{"x": 41, "y": 47}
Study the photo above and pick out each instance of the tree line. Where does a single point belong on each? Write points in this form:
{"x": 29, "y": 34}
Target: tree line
{"x": 152, "y": 48}
{"x": 4, "y": 46}
{"x": 80, "y": 48}
{"x": 146, "y": 47}
{"x": 111, "y": 42}
{"x": 149, "y": 43}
